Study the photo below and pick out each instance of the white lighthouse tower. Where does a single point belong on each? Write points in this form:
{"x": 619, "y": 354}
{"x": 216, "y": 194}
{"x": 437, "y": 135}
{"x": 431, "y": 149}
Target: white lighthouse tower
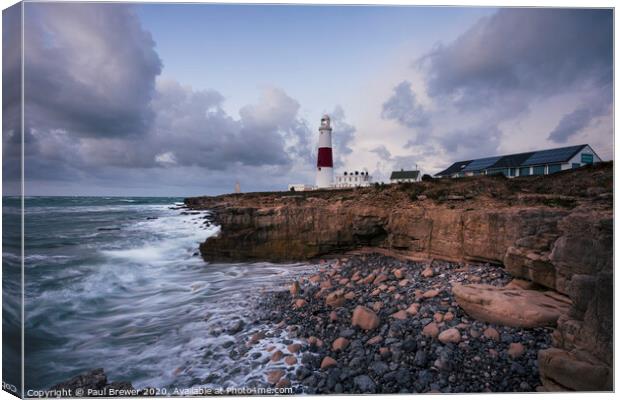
{"x": 325, "y": 164}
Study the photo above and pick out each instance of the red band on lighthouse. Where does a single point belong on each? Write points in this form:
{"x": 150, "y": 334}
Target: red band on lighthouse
{"x": 325, "y": 157}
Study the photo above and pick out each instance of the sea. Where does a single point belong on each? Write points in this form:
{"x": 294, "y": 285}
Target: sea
{"x": 118, "y": 283}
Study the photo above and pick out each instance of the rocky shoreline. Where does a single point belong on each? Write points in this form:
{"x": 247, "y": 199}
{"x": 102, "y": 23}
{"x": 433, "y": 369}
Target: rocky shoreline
{"x": 375, "y": 324}
{"x": 555, "y": 232}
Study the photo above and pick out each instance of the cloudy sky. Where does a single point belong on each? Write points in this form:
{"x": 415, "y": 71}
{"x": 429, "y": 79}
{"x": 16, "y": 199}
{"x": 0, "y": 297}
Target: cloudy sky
{"x": 182, "y": 99}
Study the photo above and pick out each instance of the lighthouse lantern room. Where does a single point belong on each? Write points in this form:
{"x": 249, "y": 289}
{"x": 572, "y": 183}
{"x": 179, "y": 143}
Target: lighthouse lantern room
{"x": 325, "y": 164}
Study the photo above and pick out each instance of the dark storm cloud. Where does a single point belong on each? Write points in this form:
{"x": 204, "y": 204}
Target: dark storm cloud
{"x": 498, "y": 69}
{"x": 11, "y": 99}
{"x": 524, "y": 50}
{"x": 404, "y": 107}
{"x": 90, "y": 69}
{"x": 96, "y": 108}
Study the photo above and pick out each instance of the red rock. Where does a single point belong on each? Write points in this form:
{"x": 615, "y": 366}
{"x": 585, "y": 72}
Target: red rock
{"x": 333, "y": 316}
{"x": 365, "y": 318}
{"x": 449, "y": 316}
{"x": 375, "y": 292}
{"x": 328, "y": 362}
{"x": 255, "y": 338}
{"x": 334, "y": 299}
{"x": 401, "y": 315}
{"x": 274, "y": 376}
{"x": 368, "y": 279}
{"x": 376, "y": 306}
{"x": 374, "y": 340}
{"x": 516, "y": 350}
{"x": 343, "y": 281}
{"x": 491, "y": 333}
{"x": 326, "y": 284}
{"x": 438, "y": 317}
{"x": 403, "y": 282}
{"x": 384, "y": 351}
{"x": 290, "y": 360}
{"x": 295, "y": 289}
{"x": 511, "y": 307}
{"x": 299, "y": 303}
{"x": 293, "y": 347}
{"x": 276, "y": 356}
{"x": 399, "y": 273}
{"x": 450, "y": 336}
{"x": 340, "y": 344}
{"x": 380, "y": 278}
{"x": 431, "y": 330}
{"x": 314, "y": 341}
{"x": 315, "y": 278}
{"x": 349, "y": 295}
{"x": 429, "y": 294}
{"x": 397, "y": 296}
{"x": 413, "y": 309}
{"x": 428, "y": 272}
{"x": 493, "y": 353}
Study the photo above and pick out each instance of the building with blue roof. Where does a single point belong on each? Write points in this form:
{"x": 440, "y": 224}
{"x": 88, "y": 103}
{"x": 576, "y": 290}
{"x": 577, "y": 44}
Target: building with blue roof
{"x": 542, "y": 162}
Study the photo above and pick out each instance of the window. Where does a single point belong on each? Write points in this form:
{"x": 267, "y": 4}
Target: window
{"x": 553, "y": 168}
{"x": 512, "y": 172}
{"x": 539, "y": 170}
{"x": 524, "y": 171}
{"x": 575, "y": 165}
{"x": 587, "y": 158}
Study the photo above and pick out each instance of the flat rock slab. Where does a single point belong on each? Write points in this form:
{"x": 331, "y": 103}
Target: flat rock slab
{"x": 511, "y": 306}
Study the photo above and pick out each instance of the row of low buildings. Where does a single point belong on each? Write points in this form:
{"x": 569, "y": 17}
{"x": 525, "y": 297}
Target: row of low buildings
{"x": 542, "y": 162}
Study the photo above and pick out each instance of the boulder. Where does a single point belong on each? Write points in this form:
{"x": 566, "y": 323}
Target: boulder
{"x": 429, "y": 294}
{"x": 491, "y": 333}
{"x": 293, "y": 347}
{"x": 428, "y": 272}
{"x": 431, "y": 330}
{"x": 516, "y": 350}
{"x": 561, "y": 370}
{"x": 276, "y": 356}
{"x": 274, "y": 376}
{"x": 328, "y": 362}
{"x": 335, "y": 299}
{"x": 512, "y": 307}
{"x": 340, "y": 344}
{"x": 451, "y": 335}
{"x": 364, "y": 318}
{"x": 413, "y": 309}
{"x": 379, "y": 279}
{"x": 401, "y": 315}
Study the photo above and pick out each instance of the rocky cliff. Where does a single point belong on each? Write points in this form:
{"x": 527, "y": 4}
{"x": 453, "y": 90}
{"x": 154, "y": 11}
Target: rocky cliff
{"x": 556, "y": 231}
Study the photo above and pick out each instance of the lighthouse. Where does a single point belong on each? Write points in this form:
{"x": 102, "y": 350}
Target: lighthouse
{"x": 324, "y": 163}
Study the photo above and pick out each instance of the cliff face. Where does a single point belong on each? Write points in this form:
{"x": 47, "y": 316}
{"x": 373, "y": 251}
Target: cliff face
{"x": 556, "y": 231}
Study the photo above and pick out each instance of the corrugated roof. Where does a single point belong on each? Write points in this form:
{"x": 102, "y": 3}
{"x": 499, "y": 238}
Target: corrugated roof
{"x": 404, "y": 174}
{"x": 454, "y": 168}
